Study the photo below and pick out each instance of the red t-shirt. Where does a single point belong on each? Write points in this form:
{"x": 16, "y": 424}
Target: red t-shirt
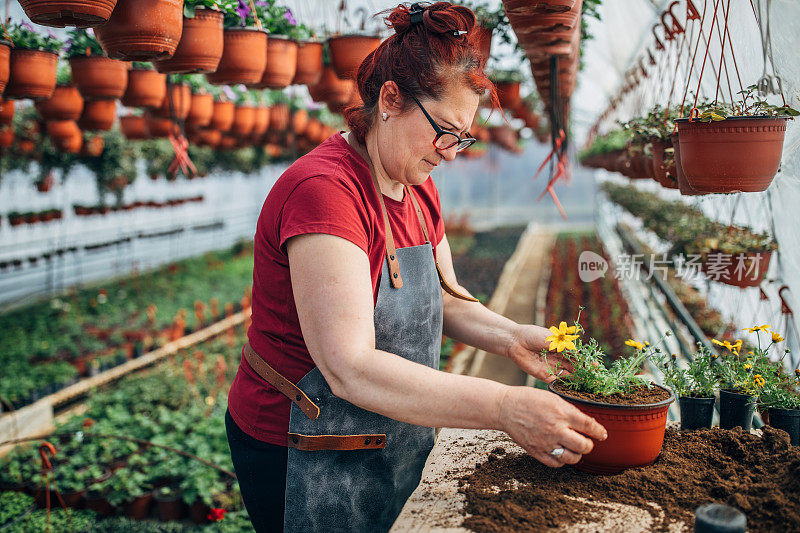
{"x": 328, "y": 191}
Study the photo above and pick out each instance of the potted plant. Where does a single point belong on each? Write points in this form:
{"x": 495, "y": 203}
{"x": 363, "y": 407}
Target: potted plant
{"x": 309, "y": 59}
{"x": 5, "y": 66}
{"x": 200, "y": 486}
{"x": 489, "y": 20}
{"x": 6, "y": 112}
{"x": 177, "y": 102}
{"x": 142, "y": 30}
{"x": 62, "y": 13}
{"x": 201, "y": 108}
{"x": 244, "y": 55}
{"x": 134, "y": 127}
{"x": 201, "y": 46}
{"x": 32, "y": 64}
{"x": 734, "y": 256}
{"x": 779, "y": 396}
{"x": 98, "y": 115}
{"x": 170, "y": 503}
{"x": 282, "y": 48}
{"x": 128, "y": 489}
{"x": 65, "y": 135}
{"x": 507, "y": 83}
{"x": 223, "y": 114}
{"x": 348, "y": 52}
{"x": 279, "y": 115}
{"x": 694, "y": 385}
{"x": 331, "y": 89}
{"x": 633, "y": 411}
{"x": 146, "y": 87}
{"x": 733, "y": 147}
{"x": 66, "y": 102}
{"x": 97, "y": 77}
{"x": 740, "y": 384}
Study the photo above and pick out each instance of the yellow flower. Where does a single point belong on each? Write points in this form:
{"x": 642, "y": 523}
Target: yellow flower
{"x": 646, "y": 343}
{"x": 748, "y": 366}
{"x": 764, "y": 327}
{"x": 731, "y": 347}
{"x": 776, "y": 337}
{"x": 635, "y": 344}
{"x": 561, "y": 337}
{"x": 758, "y": 381}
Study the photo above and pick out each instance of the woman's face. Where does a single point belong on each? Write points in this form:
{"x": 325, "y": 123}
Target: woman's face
{"x": 405, "y": 139}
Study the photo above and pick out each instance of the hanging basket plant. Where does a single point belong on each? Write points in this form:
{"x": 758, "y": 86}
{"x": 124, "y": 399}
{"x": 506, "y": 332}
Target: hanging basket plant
{"x": 6, "y": 112}
{"x": 282, "y": 48}
{"x": 309, "y": 63}
{"x": 261, "y": 122}
{"x": 160, "y": 127}
{"x": 243, "y": 120}
{"x": 177, "y": 102}
{"x": 96, "y": 76}
{"x": 507, "y": 83}
{"x": 66, "y": 102}
{"x": 733, "y": 148}
{"x": 98, "y": 115}
{"x": 5, "y": 63}
{"x": 201, "y": 46}
{"x": 63, "y": 13}
{"x": 134, "y": 127}
{"x": 201, "y": 110}
{"x": 142, "y": 30}
{"x": 32, "y": 63}
{"x": 65, "y": 135}
{"x": 222, "y": 117}
{"x": 146, "y": 87}
{"x": 331, "y": 89}
{"x": 244, "y": 55}
{"x": 349, "y": 51}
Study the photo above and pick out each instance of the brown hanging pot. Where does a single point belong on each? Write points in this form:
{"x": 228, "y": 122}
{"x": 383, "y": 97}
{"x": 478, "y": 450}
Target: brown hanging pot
{"x": 279, "y": 117}
{"x": 738, "y": 154}
{"x": 99, "y": 78}
{"x": 6, "y": 112}
{"x": 309, "y": 63}
{"x": 281, "y": 63}
{"x": 92, "y": 147}
{"x": 261, "y": 121}
{"x": 349, "y": 51}
{"x": 142, "y": 30}
{"x": 98, "y": 115}
{"x": 200, "y": 48}
{"x": 299, "y": 121}
{"x": 663, "y": 173}
{"x": 159, "y": 126}
{"x": 134, "y": 128}
{"x": 65, "y": 104}
{"x": 331, "y": 88}
{"x": 32, "y": 74}
{"x": 244, "y": 57}
{"x": 177, "y": 102}
{"x": 508, "y": 94}
{"x": 244, "y": 117}
{"x": 200, "y": 111}
{"x": 65, "y": 135}
{"x": 222, "y": 117}
{"x": 5, "y": 63}
{"x": 210, "y": 138}
{"x": 739, "y": 270}
{"x": 63, "y": 13}
{"x": 146, "y": 88}
{"x": 683, "y": 183}
{"x": 6, "y": 136}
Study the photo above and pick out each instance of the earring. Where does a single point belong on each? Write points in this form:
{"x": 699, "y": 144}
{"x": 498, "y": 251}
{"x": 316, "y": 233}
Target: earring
{"x": 385, "y": 116}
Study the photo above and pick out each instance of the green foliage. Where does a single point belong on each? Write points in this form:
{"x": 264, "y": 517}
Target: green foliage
{"x": 24, "y": 36}
{"x": 506, "y": 76}
{"x": 223, "y": 6}
{"x": 64, "y": 73}
{"x": 81, "y": 43}
{"x": 604, "y": 144}
{"x": 751, "y": 104}
{"x": 243, "y": 16}
{"x": 58, "y": 520}
{"x": 699, "y": 380}
{"x": 14, "y": 504}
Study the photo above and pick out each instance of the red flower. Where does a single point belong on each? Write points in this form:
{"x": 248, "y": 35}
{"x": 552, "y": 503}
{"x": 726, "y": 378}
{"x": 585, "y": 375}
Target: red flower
{"x": 216, "y": 515}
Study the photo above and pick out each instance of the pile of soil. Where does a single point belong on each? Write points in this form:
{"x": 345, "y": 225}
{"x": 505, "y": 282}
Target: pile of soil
{"x": 637, "y": 396}
{"x": 759, "y": 475}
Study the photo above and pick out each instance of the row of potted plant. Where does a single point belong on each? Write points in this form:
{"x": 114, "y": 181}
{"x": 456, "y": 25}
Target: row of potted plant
{"x": 16, "y": 218}
{"x": 88, "y": 210}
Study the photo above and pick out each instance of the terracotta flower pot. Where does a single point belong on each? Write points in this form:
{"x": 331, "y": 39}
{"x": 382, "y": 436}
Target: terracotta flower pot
{"x": 279, "y": 117}
{"x": 309, "y": 63}
{"x": 32, "y": 74}
{"x": 65, "y": 135}
{"x": 210, "y": 138}
{"x": 635, "y": 433}
{"x": 99, "y": 504}
{"x": 142, "y": 30}
{"x": 6, "y": 112}
{"x": 261, "y": 121}
{"x": 228, "y": 142}
{"x": 99, "y": 78}
{"x": 349, "y": 51}
{"x": 199, "y": 512}
{"x": 222, "y": 118}
{"x": 542, "y": 6}
{"x": 134, "y": 128}
{"x": 177, "y": 102}
{"x": 739, "y": 154}
{"x": 508, "y": 94}
{"x": 683, "y": 183}
{"x": 200, "y": 47}
{"x": 281, "y": 63}
{"x": 331, "y": 88}
{"x": 483, "y": 41}
{"x": 244, "y": 58}
{"x": 243, "y": 120}
{"x": 313, "y": 130}
{"x": 62, "y": 13}
{"x": 299, "y": 121}
{"x": 740, "y": 270}
{"x": 92, "y": 147}
{"x": 159, "y": 126}
{"x": 146, "y": 88}
{"x": 7, "y": 136}
{"x": 5, "y": 63}
{"x": 98, "y": 115}
{"x": 65, "y": 104}
{"x": 169, "y": 507}
{"x": 139, "y": 508}
{"x": 200, "y": 111}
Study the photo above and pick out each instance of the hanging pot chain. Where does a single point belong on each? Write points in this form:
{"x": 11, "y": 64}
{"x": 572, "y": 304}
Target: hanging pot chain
{"x": 767, "y": 84}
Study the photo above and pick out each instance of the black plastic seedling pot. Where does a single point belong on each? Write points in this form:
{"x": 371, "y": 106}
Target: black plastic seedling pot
{"x": 696, "y": 413}
{"x": 787, "y": 420}
{"x": 736, "y": 409}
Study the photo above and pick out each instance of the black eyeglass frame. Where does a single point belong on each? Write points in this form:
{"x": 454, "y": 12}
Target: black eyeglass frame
{"x": 441, "y": 132}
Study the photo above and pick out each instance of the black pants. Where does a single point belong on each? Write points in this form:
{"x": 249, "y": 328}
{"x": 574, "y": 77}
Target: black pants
{"x": 261, "y": 470}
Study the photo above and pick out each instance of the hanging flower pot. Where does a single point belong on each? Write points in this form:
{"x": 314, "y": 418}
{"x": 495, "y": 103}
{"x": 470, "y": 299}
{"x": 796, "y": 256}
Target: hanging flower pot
{"x": 5, "y": 67}
{"x": 526, "y": 7}
{"x": 683, "y": 183}
{"x": 6, "y": 136}
{"x": 177, "y": 103}
{"x": 99, "y": 78}
{"x": 65, "y": 135}
{"x": 331, "y": 88}
{"x": 349, "y": 51}
{"x": 228, "y": 142}
{"x": 63, "y": 13}
{"x": 160, "y": 127}
{"x": 313, "y": 130}
{"x": 740, "y": 270}
{"x": 309, "y": 63}
{"x": 200, "y": 48}
{"x": 200, "y": 111}
{"x": 134, "y": 127}
{"x": 635, "y": 432}
{"x": 32, "y": 74}
{"x": 261, "y": 121}
{"x": 663, "y": 173}
{"x": 281, "y": 63}
{"x": 738, "y": 154}
{"x": 92, "y": 147}
{"x": 508, "y": 94}
{"x": 142, "y": 30}
{"x": 244, "y": 57}
{"x": 98, "y": 115}
{"x": 279, "y": 117}
{"x": 299, "y": 121}
{"x": 146, "y": 88}
{"x": 243, "y": 120}
{"x": 222, "y": 118}
{"x": 736, "y": 409}
{"x": 6, "y": 112}
{"x": 210, "y": 138}
{"x": 65, "y": 104}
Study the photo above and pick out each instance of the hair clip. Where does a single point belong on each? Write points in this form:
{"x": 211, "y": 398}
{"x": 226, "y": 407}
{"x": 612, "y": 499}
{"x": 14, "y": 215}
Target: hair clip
{"x": 458, "y": 33}
{"x": 416, "y": 13}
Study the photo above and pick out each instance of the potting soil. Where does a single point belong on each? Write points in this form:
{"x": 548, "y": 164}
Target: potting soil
{"x": 759, "y": 475}
{"x": 639, "y": 396}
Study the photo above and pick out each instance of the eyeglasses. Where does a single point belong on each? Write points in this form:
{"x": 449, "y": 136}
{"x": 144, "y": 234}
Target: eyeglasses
{"x": 445, "y": 139}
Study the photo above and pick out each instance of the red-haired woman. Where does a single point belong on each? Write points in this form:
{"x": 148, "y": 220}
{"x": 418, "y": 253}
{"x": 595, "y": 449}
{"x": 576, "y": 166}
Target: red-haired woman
{"x": 333, "y": 407}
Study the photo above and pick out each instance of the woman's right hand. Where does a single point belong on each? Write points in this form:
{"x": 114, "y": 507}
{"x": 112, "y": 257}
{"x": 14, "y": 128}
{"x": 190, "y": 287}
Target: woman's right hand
{"x": 540, "y": 421}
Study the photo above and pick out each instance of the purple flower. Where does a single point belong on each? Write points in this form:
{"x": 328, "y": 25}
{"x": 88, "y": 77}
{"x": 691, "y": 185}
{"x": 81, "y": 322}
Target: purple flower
{"x": 229, "y": 92}
{"x": 28, "y": 26}
{"x": 68, "y": 42}
{"x": 243, "y": 11}
{"x": 289, "y": 17}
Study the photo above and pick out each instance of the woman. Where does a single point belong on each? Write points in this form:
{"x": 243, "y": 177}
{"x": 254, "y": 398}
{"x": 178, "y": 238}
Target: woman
{"x": 333, "y": 407}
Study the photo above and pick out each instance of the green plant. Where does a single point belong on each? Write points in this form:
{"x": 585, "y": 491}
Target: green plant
{"x": 245, "y": 15}
{"x": 24, "y": 36}
{"x": 81, "y": 43}
{"x": 14, "y": 504}
{"x": 506, "y": 76}
{"x": 64, "y": 73}
{"x": 124, "y": 486}
{"x": 42, "y": 521}
{"x": 279, "y": 20}
{"x": 699, "y": 379}
{"x": 223, "y": 6}
{"x": 751, "y": 104}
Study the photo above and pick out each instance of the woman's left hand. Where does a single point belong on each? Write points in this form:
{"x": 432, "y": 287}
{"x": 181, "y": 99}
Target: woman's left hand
{"x": 525, "y": 349}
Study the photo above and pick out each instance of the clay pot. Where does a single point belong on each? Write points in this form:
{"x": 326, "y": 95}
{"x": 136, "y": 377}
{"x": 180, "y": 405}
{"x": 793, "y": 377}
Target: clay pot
{"x": 200, "y": 47}
{"x": 787, "y": 420}
{"x": 6, "y": 112}
{"x": 133, "y": 127}
{"x": 279, "y": 117}
{"x": 159, "y": 126}
{"x": 243, "y": 120}
{"x": 92, "y": 147}
{"x": 331, "y": 88}
{"x": 683, "y": 184}
{"x": 739, "y": 154}
{"x": 222, "y": 117}
{"x": 635, "y": 433}
{"x": 525, "y": 7}
{"x": 313, "y": 130}
{"x": 65, "y": 135}
{"x": 483, "y": 41}
{"x": 210, "y": 138}
{"x": 736, "y": 410}
{"x": 98, "y": 115}
{"x": 99, "y": 504}
{"x": 740, "y": 270}
{"x": 5, "y": 63}
{"x": 244, "y": 58}
{"x": 142, "y": 30}
{"x": 32, "y": 74}
{"x": 7, "y": 136}
{"x": 146, "y": 88}
{"x": 281, "y": 63}
{"x": 169, "y": 507}
{"x": 299, "y": 121}
{"x": 139, "y": 508}
{"x": 200, "y": 111}
{"x": 99, "y": 78}
{"x": 65, "y": 104}
{"x": 696, "y": 413}
{"x": 309, "y": 63}
{"x": 228, "y": 142}
{"x": 663, "y": 174}
{"x": 177, "y": 103}
{"x": 63, "y": 13}
{"x": 261, "y": 121}
{"x": 349, "y": 51}
{"x": 508, "y": 94}
{"x": 199, "y": 512}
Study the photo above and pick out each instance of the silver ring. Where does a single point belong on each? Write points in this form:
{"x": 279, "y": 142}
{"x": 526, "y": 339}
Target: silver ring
{"x": 557, "y": 453}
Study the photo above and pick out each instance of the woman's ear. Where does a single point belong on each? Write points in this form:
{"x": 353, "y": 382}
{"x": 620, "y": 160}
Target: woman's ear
{"x": 391, "y": 99}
